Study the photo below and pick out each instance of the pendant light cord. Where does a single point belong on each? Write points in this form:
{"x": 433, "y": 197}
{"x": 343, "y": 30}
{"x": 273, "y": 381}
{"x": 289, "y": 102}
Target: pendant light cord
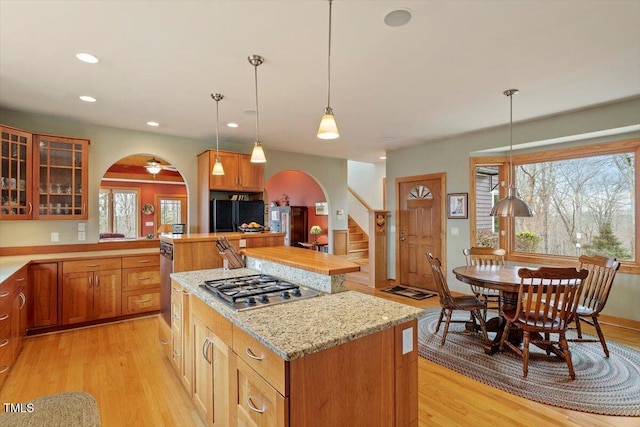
{"x": 217, "y": 126}
{"x": 329, "y": 61}
{"x": 255, "y": 67}
{"x": 511, "y": 177}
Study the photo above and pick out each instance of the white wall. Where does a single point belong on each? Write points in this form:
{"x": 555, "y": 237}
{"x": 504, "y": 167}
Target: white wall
{"x": 366, "y": 179}
{"x": 452, "y": 157}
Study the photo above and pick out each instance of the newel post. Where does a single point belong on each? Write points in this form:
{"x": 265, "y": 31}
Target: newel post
{"x": 378, "y": 248}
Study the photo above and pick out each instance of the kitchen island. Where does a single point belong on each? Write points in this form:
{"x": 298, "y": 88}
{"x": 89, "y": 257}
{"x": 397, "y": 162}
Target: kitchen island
{"x": 344, "y": 358}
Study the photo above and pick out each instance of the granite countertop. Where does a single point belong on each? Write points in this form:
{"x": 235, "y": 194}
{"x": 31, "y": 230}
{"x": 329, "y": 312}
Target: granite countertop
{"x": 298, "y": 328}
{"x": 10, "y": 264}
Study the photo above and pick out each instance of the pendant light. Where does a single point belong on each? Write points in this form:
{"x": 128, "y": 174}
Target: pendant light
{"x": 153, "y": 166}
{"x": 257, "y": 155}
{"x": 511, "y": 205}
{"x": 328, "y": 128}
{"x": 217, "y": 166}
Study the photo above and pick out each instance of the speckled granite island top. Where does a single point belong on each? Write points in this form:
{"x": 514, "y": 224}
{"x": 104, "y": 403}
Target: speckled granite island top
{"x": 295, "y": 329}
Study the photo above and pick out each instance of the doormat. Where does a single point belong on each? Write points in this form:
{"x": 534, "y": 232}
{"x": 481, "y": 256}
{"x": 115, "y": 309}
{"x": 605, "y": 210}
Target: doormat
{"x": 603, "y": 385}
{"x": 411, "y": 293}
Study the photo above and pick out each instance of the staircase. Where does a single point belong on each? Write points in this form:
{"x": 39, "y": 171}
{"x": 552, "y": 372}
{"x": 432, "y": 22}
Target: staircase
{"x": 358, "y": 252}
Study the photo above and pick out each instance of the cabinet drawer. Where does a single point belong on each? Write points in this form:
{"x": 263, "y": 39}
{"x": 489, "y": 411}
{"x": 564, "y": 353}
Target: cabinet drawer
{"x": 91, "y": 265}
{"x": 140, "y": 261}
{"x": 264, "y": 361}
{"x": 140, "y": 278}
{"x": 259, "y": 404}
{"x": 140, "y": 302}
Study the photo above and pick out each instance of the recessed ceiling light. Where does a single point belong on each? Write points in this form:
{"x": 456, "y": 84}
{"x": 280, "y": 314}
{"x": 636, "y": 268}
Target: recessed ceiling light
{"x": 153, "y": 123}
{"x": 87, "y": 57}
{"x": 397, "y": 18}
{"x": 87, "y": 98}
{"x": 232, "y": 125}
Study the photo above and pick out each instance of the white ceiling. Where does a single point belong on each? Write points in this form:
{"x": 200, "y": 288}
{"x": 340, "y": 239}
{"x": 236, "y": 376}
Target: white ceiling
{"x": 441, "y": 74}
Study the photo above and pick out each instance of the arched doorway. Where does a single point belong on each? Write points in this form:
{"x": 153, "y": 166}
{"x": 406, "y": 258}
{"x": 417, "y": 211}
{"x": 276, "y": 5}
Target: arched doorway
{"x": 135, "y": 201}
{"x": 297, "y": 188}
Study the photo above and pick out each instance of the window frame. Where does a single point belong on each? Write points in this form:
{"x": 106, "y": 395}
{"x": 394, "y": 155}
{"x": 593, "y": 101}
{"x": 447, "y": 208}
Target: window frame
{"x": 183, "y": 207}
{"x": 138, "y": 192}
{"x": 507, "y": 225}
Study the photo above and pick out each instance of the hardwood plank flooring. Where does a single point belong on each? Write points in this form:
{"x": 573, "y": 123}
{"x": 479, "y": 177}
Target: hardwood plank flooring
{"x": 122, "y": 366}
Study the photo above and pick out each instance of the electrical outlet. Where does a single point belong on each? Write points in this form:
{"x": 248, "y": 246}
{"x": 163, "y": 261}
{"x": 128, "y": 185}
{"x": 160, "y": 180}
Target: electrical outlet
{"x": 82, "y": 236}
{"x": 55, "y": 237}
{"x": 242, "y": 243}
{"x": 258, "y": 265}
{"x": 81, "y": 226}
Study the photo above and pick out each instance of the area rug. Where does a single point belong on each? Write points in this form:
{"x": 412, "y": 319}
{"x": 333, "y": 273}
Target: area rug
{"x": 410, "y": 293}
{"x": 69, "y": 409}
{"x": 607, "y": 386}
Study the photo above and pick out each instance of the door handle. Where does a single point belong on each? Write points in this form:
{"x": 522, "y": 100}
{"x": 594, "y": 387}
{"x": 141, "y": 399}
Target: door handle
{"x": 402, "y": 238}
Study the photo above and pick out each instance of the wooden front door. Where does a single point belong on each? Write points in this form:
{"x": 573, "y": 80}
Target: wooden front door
{"x": 420, "y": 228}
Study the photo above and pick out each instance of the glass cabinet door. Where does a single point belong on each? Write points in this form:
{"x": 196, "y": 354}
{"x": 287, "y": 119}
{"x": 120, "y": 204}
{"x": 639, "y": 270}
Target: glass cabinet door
{"x": 61, "y": 177}
{"x": 16, "y": 172}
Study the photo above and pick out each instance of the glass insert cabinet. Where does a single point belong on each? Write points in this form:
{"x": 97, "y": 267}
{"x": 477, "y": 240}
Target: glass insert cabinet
{"x": 46, "y": 178}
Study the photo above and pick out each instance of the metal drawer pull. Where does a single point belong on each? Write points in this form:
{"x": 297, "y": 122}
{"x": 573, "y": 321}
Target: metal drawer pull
{"x": 205, "y": 349}
{"x": 145, "y": 261}
{"x": 252, "y": 355}
{"x": 93, "y": 265}
{"x": 4, "y": 317}
{"x": 164, "y": 342}
{"x": 24, "y": 300}
{"x": 253, "y": 408}
{"x": 4, "y": 294}
{"x": 20, "y": 279}
{"x": 185, "y": 292}
{"x": 144, "y": 301}
{"x": 4, "y": 342}
{"x": 4, "y": 369}
{"x": 144, "y": 278}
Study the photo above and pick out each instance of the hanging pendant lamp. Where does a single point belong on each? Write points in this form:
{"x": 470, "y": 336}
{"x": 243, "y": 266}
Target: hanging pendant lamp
{"x": 257, "y": 155}
{"x": 511, "y": 205}
{"x": 328, "y": 128}
{"x": 153, "y": 166}
{"x": 218, "y": 169}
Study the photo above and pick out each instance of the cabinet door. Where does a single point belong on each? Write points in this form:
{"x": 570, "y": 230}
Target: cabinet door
{"x": 43, "y": 295}
{"x": 61, "y": 177}
{"x": 19, "y": 324}
{"x": 106, "y": 294}
{"x": 77, "y": 297}
{"x": 202, "y": 370}
{"x": 250, "y": 175}
{"x": 187, "y": 344}
{"x": 228, "y": 181}
{"x": 16, "y": 174}
{"x": 258, "y": 404}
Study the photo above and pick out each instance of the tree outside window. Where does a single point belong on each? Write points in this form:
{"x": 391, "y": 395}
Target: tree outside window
{"x": 119, "y": 211}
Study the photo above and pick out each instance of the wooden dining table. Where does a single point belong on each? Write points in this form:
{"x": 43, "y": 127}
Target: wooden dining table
{"x": 503, "y": 278}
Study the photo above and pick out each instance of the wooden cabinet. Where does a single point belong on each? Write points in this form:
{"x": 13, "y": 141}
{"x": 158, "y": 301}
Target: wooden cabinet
{"x": 13, "y": 324}
{"x": 140, "y": 284}
{"x": 61, "y": 177}
{"x": 91, "y": 290}
{"x": 240, "y": 173}
{"x": 181, "y": 330}
{"x": 16, "y": 174}
{"x": 212, "y": 383}
{"x": 43, "y": 295}
{"x": 43, "y": 176}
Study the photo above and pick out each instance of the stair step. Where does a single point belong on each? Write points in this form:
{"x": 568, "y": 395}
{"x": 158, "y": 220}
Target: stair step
{"x": 358, "y": 245}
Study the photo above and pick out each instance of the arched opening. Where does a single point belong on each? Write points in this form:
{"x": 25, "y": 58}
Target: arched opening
{"x": 135, "y": 203}
{"x": 298, "y": 189}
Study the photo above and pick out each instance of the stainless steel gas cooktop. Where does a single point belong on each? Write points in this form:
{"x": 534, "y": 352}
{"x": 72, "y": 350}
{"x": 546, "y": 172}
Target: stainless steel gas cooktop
{"x": 258, "y": 290}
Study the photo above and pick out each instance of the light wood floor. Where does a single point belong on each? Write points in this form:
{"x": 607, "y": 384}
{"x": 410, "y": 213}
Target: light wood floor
{"x": 122, "y": 366}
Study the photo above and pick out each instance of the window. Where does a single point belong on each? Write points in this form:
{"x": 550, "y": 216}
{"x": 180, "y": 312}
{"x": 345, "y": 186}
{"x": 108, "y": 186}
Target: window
{"x": 583, "y": 200}
{"x": 119, "y": 211}
{"x": 173, "y": 209}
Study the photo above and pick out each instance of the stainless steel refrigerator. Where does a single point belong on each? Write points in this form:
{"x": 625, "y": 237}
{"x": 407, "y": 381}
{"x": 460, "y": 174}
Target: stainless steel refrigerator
{"x": 292, "y": 220}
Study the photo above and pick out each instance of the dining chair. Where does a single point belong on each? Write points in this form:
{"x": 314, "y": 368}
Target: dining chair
{"x": 485, "y": 256}
{"x": 450, "y": 303}
{"x": 595, "y": 291}
{"x": 547, "y": 300}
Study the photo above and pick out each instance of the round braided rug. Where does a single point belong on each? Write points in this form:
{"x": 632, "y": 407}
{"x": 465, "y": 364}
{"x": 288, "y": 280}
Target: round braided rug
{"x": 608, "y": 386}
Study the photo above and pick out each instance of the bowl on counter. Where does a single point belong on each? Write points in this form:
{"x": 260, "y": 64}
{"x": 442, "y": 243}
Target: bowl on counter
{"x": 251, "y": 229}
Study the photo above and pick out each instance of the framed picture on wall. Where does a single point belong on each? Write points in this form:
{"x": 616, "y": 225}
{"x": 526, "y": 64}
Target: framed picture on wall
{"x": 457, "y": 205}
{"x": 322, "y": 208}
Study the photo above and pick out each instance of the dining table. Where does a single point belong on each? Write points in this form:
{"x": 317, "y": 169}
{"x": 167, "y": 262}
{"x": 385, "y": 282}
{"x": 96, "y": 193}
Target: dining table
{"x": 503, "y": 278}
